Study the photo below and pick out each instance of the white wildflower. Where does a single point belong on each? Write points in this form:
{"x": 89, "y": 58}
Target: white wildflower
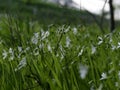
{"x": 11, "y": 57}
{"x": 113, "y": 47}
{"x": 35, "y": 38}
{"x": 4, "y": 54}
{"x": 11, "y": 52}
{"x": 41, "y": 46}
{"x": 81, "y": 52}
{"x": 62, "y": 52}
{"x": 19, "y": 48}
{"x": 42, "y": 32}
{"x": 26, "y": 49}
{"x": 118, "y": 45}
{"x": 21, "y": 64}
{"x": 93, "y": 49}
{"x": 72, "y": 62}
{"x": 100, "y": 40}
{"x": 83, "y": 70}
{"x": 110, "y": 41}
{"x": 36, "y": 35}
{"x": 75, "y": 31}
{"x": 49, "y": 48}
{"x": 36, "y": 51}
{"x": 45, "y": 35}
{"x": 109, "y": 35}
{"x": 67, "y": 29}
{"x": 62, "y": 56}
{"x": 62, "y": 49}
{"x": 104, "y": 76}
{"x": 68, "y": 41}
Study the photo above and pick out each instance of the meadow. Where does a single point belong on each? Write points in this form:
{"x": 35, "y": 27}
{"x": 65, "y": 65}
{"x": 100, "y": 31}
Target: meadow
{"x": 49, "y": 47}
{"x": 57, "y": 57}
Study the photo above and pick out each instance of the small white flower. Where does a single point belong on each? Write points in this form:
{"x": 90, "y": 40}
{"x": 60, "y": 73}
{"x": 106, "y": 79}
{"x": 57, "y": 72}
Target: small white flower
{"x": 110, "y": 41}
{"x": 74, "y": 31}
{"x": 104, "y": 76}
{"x": 35, "y": 38}
{"x": 68, "y": 41}
{"x": 21, "y": 64}
{"x": 100, "y": 40}
{"x": 118, "y": 45}
{"x": 26, "y": 49}
{"x": 45, "y": 35}
{"x": 41, "y": 46}
{"x": 113, "y": 47}
{"x": 36, "y": 51}
{"x": 11, "y": 52}
{"x": 19, "y": 48}
{"x": 49, "y": 48}
{"x": 36, "y": 35}
{"x": 81, "y": 52}
{"x": 83, "y": 70}
{"x": 93, "y": 49}
{"x": 67, "y": 29}
{"x": 4, "y": 54}
{"x": 11, "y": 57}
{"x": 62, "y": 56}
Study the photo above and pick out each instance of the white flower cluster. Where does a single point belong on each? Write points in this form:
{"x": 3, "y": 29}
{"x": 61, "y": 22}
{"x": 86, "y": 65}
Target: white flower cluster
{"x": 9, "y": 53}
{"x": 104, "y": 76}
{"x": 83, "y": 70}
{"x": 21, "y": 64}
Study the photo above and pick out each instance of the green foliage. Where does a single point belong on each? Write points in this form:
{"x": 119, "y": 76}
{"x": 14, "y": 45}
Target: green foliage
{"x": 57, "y": 57}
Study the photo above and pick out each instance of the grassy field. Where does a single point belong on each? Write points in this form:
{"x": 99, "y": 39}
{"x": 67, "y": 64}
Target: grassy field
{"x": 57, "y": 57}
{"x": 45, "y": 47}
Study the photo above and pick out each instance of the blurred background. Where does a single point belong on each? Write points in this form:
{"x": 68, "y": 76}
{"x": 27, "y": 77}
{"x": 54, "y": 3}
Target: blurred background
{"x": 71, "y": 12}
{"x": 94, "y": 6}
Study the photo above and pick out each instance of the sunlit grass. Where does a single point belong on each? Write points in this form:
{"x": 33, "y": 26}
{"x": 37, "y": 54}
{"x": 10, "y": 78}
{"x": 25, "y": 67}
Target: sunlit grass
{"x": 57, "y": 57}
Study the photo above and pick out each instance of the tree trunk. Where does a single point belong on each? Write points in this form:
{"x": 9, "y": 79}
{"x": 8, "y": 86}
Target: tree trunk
{"x": 112, "y": 20}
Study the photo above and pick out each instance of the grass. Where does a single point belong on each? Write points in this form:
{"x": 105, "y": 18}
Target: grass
{"x": 52, "y": 49}
{"x": 57, "y": 57}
